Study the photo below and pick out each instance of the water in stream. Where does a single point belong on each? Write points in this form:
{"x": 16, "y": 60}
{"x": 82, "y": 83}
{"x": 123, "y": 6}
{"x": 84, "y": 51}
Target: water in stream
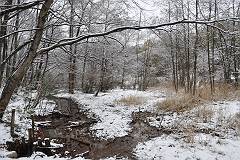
{"x": 70, "y": 125}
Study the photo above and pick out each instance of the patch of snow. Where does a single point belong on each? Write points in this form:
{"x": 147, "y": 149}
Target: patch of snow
{"x": 36, "y": 155}
{"x": 5, "y": 133}
{"x": 229, "y": 108}
{"x": 1, "y": 89}
{"x": 114, "y": 158}
{"x": 205, "y": 146}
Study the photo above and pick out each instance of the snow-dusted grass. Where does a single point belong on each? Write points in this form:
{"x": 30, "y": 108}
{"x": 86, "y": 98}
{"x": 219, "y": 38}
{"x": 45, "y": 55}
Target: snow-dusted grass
{"x": 206, "y": 147}
{"x": 222, "y": 117}
{"x": 131, "y": 101}
{"x": 219, "y": 116}
{"x": 115, "y": 117}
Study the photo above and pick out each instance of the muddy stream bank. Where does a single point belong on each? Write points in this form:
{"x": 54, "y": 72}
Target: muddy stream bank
{"x": 70, "y": 125}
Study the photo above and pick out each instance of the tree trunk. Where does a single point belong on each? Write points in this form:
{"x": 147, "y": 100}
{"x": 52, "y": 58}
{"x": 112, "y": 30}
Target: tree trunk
{"x": 188, "y": 52}
{"x": 195, "y": 53}
{"x": 233, "y": 46}
{"x": 15, "y": 41}
{"x": 84, "y": 66}
{"x": 14, "y": 81}
{"x": 213, "y": 47}
{"x": 72, "y": 58}
{"x": 208, "y": 49}
{"x": 3, "y": 41}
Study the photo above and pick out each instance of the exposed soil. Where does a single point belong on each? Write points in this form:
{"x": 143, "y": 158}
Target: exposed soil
{"x": 70, "y": 125}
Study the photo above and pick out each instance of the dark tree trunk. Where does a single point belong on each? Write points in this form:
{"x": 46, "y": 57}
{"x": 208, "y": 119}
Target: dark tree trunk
{"x": 3, "y": 41}
{"x": 14, "y": 80}
{"x": 195, "y": 53}
{"x": 72, "y": 58}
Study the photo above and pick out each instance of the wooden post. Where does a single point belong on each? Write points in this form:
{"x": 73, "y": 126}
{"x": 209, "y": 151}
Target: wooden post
{"x": 33, "y": 135}
{"x": 18, "y": 147}
{"x": 39, "y": 143}
{"x": 12, "y": 122}
{"x": 47, "y": 142}
{"x": 30, "y": 135}
{"x": 30, "y": 142}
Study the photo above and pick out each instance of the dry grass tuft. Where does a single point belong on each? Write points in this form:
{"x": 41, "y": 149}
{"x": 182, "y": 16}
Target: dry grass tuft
{"x": 131, "y": 101}
{"x": 178, "y": 103}
{"x": 204, "y": 113}
{"x": 164, "y": 86}
{"x": 189, "y": 135}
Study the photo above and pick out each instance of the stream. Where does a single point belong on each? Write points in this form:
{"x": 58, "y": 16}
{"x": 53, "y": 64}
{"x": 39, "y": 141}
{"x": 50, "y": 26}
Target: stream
{"x": 70, "y": 125}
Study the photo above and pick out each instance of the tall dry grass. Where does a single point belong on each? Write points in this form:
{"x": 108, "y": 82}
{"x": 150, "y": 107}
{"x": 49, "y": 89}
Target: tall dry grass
{"x": 182, "y": 101}
{"x": 222, "y": 91}
{"x": 179, "y": 103}
{"x": 131, "y": 101}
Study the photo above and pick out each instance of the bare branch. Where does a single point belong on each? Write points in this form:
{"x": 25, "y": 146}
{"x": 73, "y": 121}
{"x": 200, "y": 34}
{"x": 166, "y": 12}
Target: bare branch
{"x": 14, "y": 52}
{"x": 69, "y": 41}
{"x": 24, "y": 30}
{"x": 23, "y": 6}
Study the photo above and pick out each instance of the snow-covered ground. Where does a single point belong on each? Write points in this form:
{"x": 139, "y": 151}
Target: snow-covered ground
{"x": 221, "y": 119}
{"x": 115, "y": 117}
{"x": 22, "y": 103}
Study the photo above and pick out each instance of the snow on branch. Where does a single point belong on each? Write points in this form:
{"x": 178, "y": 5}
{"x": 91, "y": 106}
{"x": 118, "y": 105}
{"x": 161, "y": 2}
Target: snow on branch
{"x": 69, "y": 41}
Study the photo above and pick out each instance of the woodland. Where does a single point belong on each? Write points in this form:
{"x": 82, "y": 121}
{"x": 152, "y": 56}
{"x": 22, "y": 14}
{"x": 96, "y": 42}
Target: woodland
{"x": 120, "y": 79}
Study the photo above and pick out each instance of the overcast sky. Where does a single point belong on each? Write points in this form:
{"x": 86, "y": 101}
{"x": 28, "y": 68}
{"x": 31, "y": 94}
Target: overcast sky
{"x": 150, "y": 9}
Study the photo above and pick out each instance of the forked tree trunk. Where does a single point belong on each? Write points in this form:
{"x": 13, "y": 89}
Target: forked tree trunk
{"x": 15, "y": 79}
